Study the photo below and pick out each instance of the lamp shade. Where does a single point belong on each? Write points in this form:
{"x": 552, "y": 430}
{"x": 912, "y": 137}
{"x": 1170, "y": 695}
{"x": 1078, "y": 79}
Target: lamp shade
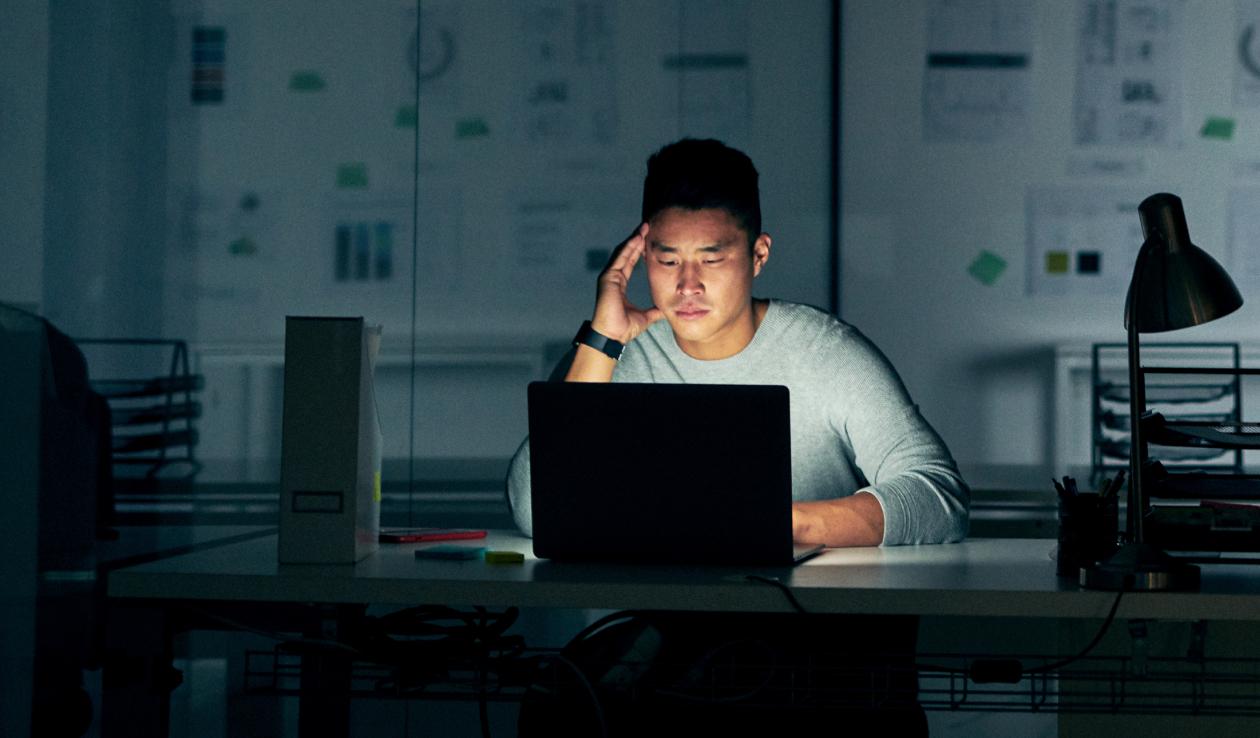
{"x": 1178, "y": 284}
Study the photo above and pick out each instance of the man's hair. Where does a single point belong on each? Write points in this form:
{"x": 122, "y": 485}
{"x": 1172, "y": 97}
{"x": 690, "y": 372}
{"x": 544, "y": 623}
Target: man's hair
{"x": 698, "y": 174}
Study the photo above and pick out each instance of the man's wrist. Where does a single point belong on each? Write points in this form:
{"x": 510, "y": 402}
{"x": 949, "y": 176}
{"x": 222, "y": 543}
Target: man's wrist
{"x": 590, "y": 336}
{"x": 619, "y": 336}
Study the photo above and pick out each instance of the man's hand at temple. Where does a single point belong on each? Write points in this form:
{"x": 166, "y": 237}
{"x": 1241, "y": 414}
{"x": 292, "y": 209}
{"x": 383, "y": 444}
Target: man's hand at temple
{"x": 615, "y": 316}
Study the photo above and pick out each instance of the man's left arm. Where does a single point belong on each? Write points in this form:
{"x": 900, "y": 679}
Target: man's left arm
{"x": 915, "y": 493}
{"x": 856, "y": 520}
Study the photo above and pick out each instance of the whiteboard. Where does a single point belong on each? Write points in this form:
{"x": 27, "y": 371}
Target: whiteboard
{"x": 307, "y": 177}
{"x": 917, "y": 212}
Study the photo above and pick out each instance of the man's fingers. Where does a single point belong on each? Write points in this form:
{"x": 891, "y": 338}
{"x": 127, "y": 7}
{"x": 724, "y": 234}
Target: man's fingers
{"x": 628, "y": 252}
{"x": 633, "y": 252}
{"x": 644, "y": 317}
{"x": 653, "y": 314}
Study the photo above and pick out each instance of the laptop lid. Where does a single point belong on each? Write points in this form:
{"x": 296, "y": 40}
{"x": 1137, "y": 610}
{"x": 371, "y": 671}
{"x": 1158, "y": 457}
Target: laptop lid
{"x": 674, "y": 473}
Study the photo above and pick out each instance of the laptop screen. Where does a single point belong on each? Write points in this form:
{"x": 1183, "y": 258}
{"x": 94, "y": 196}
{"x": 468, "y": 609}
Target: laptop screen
{"x": 661, "y": 472}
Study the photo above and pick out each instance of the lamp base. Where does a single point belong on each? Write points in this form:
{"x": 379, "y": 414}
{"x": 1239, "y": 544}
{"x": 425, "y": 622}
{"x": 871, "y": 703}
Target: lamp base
{"x": 1140, "y": 567}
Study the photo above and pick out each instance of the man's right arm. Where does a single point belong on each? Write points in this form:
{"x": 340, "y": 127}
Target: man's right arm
{"x": 615, "y": 317}
{"x": 590, "y": 365}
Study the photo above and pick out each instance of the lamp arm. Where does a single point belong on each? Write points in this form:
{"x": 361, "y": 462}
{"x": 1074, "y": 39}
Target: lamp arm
{"x": 1137, "y": 448}
{"x": 1137, "y": 405}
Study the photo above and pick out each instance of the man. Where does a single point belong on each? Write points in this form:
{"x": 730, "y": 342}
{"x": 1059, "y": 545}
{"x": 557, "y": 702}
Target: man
{"x": 867, "y": 469}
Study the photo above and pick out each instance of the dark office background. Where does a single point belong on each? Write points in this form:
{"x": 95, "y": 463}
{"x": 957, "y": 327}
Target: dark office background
{"x": 197, "y": 170}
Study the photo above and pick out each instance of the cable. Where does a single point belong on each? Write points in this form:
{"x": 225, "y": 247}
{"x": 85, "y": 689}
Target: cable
{"x": 586, "y": 683}
{"x": 599, "y": 624}
{"x": 787, "y": 591}
{"x": 986, "y": 670}
{"x": 273, "y": 635}
{"x": 1010, "y": 671}
{"x": 1111, "y": 616}
{"x": 709, "y": 656}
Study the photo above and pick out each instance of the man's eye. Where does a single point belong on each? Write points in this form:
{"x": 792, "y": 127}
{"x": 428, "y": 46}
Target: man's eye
{"x": 667, "y": 263}
{"x": 717, "y": 260}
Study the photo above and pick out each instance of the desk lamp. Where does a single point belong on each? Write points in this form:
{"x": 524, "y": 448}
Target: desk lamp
{"x": 1175, "y": 285}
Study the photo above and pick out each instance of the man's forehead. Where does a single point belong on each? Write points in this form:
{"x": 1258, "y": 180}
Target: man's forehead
{"x": 707, "y": 247}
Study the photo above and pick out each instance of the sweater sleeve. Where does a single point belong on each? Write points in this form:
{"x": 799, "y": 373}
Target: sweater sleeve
{"x": 908, "y": 468}
{"x": 633, "y": 367}
{"x": 518, "y": 495}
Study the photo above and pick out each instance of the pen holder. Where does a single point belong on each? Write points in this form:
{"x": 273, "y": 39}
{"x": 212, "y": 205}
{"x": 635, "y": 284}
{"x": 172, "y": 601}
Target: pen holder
{"x": 1087, "y": 531}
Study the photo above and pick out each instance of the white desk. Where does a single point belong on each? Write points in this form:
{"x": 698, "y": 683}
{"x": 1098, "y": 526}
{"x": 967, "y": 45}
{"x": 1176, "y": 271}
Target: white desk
{"x": 989, "y": 577}
{"x": 1006, "y": 578}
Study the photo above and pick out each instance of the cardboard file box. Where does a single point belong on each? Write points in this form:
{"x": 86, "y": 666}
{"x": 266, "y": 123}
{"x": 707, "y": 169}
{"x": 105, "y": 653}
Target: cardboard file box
{"x": 330, "y": 467}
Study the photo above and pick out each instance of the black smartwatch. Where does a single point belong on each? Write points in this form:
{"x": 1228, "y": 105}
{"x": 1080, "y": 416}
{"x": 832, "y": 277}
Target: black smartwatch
{"x": 588, "y": 336}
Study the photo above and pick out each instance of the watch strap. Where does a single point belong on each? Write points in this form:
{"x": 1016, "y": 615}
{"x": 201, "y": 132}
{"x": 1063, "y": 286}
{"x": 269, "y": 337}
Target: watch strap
{"x": 588, "y": 336}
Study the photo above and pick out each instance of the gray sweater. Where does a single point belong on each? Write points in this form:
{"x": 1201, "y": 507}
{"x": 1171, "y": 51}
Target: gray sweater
{"x": 853, "y": 424}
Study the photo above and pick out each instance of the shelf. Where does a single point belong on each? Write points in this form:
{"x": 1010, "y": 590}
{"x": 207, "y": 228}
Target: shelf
{"x": 1204, "y": 528}
{"x": 1173, "y": 455}
{"x": 1169, "y": 394}
{"x": 1199, "y": 485}
{"x": 1120, "y": 421}
{"x": 1191, "y": 406}
{"x": 116, "y": 389}
{"x": 1200, "y": 434}
{"x": 155, "y": 414}
{"x": 151, "y": 413}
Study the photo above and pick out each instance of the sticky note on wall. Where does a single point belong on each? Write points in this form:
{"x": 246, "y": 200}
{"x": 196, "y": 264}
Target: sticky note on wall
{"x": 471, "y": 128}
{"x": 405, "y": 116}
{"x": 1057, "y": 262}
{"x": 306, "y": 80}
{"x": 352, "y": 176}
{"x": 987, "y": 267}
{"x": 1088, "y": 262}
{"x": 1218, "y": 128}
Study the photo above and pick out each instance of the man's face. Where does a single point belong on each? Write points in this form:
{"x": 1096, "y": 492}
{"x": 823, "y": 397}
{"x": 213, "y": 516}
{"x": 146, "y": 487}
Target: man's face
{"x": 700, "y": 271}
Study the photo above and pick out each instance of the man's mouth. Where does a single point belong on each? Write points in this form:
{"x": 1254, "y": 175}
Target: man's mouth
{"x": 691, "y": 312}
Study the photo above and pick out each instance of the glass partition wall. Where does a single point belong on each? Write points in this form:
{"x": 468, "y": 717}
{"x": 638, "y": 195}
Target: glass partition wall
{"x": 455, "y": 171}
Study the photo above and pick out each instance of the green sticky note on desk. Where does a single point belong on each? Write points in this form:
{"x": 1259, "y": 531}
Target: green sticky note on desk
{"x": 1057, "y": 262}
{"x": 1222, "y": 128}
{"x": 987, "y": 267}
{"x": 352, "y": 176}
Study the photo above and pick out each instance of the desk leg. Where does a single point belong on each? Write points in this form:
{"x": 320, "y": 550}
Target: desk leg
{"x": 138, "y": 674}
{"x": 324, "y": 704}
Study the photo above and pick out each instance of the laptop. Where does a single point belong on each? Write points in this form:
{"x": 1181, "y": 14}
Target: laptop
{"x": 662, "y": 473}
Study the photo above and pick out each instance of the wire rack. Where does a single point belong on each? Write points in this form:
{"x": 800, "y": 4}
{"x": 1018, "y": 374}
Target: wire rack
{"x": 1118, "y": 685}
{"x": 152, "y": 409}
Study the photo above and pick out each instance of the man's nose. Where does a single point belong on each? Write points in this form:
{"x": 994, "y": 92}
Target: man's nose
{"x": 689, "y": 280}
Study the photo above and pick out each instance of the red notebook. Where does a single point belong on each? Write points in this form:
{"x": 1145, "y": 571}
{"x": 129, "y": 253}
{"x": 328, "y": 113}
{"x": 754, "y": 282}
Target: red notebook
{"x": 418, "y": 535}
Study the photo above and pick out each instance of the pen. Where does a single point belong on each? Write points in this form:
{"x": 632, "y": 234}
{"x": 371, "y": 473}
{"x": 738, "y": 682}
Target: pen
{"x": 1113, "y": 489}
{"x": 1070, "y": 484}
{"x": 1063, "y": 495}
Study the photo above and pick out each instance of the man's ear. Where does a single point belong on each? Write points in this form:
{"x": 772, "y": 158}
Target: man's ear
{"x": 760, "y": 252}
